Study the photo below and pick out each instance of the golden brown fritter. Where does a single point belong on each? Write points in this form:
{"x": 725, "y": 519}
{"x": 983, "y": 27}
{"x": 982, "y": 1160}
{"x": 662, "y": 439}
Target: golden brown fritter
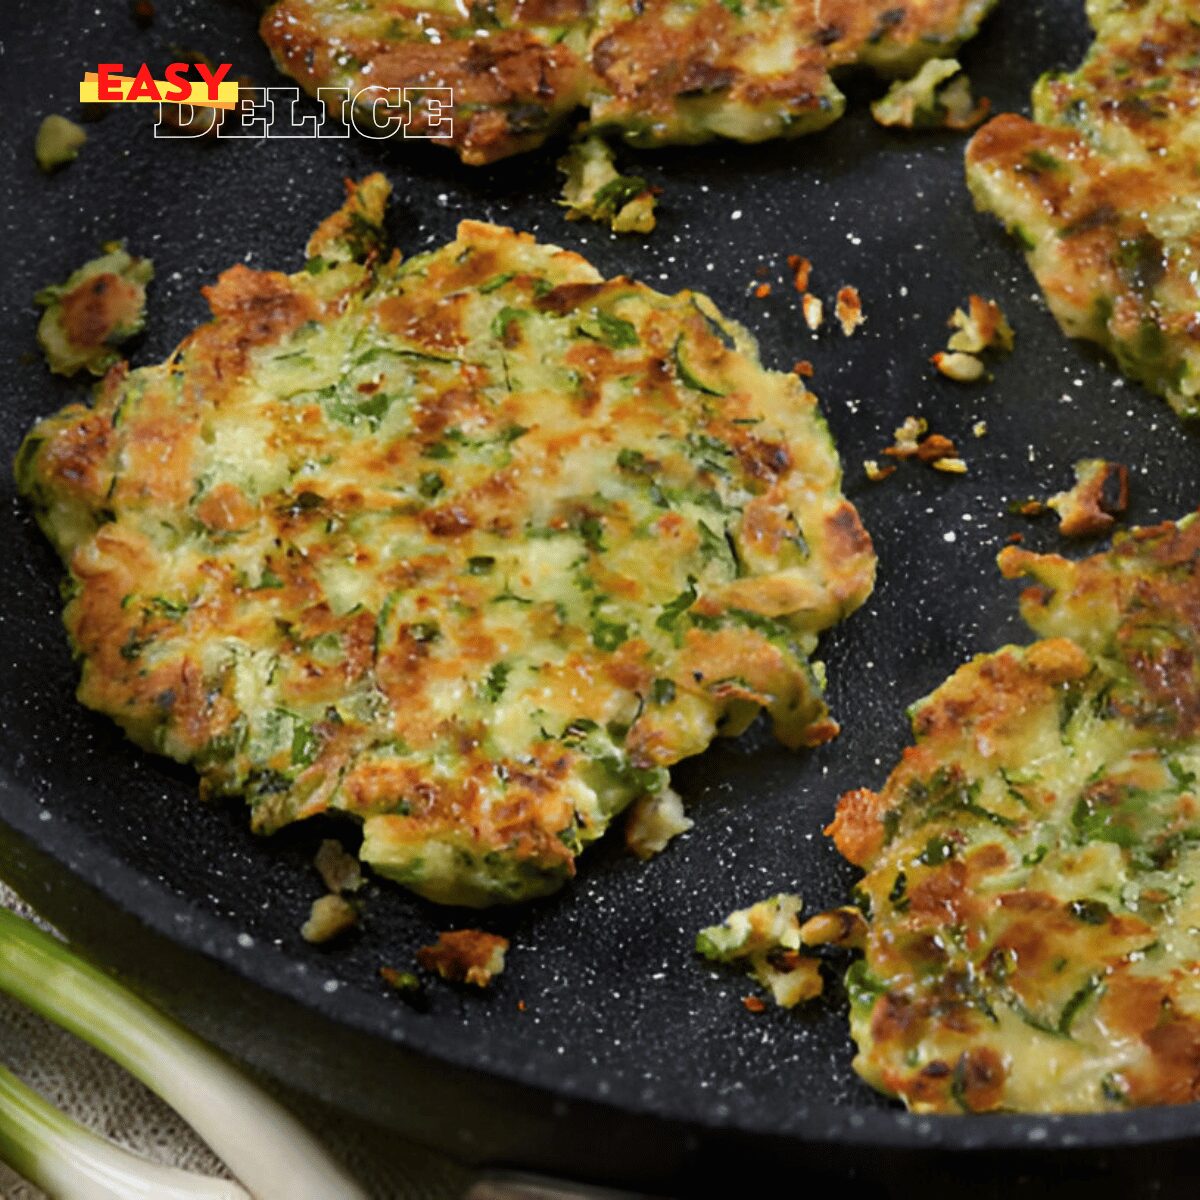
{"x": 1031, "y": 864}
{"x": 471, "y": 547}
{"x": 657, "y": 71}
{"x": 1102, "y": 190}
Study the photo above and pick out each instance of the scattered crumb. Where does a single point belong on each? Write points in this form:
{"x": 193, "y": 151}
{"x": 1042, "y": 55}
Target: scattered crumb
{"x": 329, "y": 917}
{"x": 875, "y": 473}
{"x": 142, "y": 11}
{"x": 1091, "y": 507}
{"x": 814, "y": 311}
{"x": 765, "y": 938}
{"x": 952, "y": 466}
{"x": 801, "y": 268}
{"x": 849, "y": 310}
{"x": 963, "y": 368}
{"x": 982, "y": 327}
{"x": 979, "y": 429}
{"x": 520, "y": 1006}
{"x": 654, "y": 819}
{"x": 1015, "y": 539}
{"x": 935, "y": 448}
{"x": 58, "y": 142}
{"x": 595, "y": 190}
{"x": 99, "y": 307}
{"x": 1026, "y": 508}
{"x": 906, "y": 437}
{"x": 754, "y": 1004}
{"x": 339, "y": 871}
{"x": 927, "y": 100}
{"x": 404, "y": 982}
{"x": 803, "y": 368}
{"x": 762, "y": 291}
{"x": 465, "y": 956}
{"x": 912, "y": 439}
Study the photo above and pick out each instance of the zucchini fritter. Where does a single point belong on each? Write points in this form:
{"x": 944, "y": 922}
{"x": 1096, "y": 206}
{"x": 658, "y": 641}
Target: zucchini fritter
{"x": 1101, "y": 188}
{"x": 657, "y": 71}
{"x": 1032, "y": 863}
{"x": 471, "y": 547}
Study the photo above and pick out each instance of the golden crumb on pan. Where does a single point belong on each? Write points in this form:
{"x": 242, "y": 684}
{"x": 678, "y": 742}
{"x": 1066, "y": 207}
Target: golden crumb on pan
{"x": 465, "y": 956}
{"x": 1099, "y": 497}
{"x": 330, "y": 917}
{"x": 937, "y": 96}
{"x": 766, "y": 939}
{"x": 849, "y": 310}
{"x": 912, "y": 439}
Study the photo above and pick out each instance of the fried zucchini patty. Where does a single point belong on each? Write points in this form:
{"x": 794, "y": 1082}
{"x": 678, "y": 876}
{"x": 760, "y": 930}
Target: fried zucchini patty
{"x": 471, "y": 547}
{"x": 1102, "y": 189}
{"x": 1034, "y": 939}
{"x": 657, "y": 71}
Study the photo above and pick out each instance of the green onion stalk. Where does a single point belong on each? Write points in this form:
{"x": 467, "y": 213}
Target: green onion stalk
{"x": 272, "y": 1155}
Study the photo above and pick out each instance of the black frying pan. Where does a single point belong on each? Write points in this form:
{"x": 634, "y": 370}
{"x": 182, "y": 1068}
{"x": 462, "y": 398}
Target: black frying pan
{"x": 630, "y": 1061}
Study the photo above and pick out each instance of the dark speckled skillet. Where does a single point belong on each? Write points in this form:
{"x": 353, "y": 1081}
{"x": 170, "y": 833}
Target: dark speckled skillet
{"x": 630, "y": 1061}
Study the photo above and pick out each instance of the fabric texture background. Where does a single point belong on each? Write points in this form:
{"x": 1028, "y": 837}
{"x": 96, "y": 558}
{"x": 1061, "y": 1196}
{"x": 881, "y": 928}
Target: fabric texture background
{"x": 95, "y": 1091}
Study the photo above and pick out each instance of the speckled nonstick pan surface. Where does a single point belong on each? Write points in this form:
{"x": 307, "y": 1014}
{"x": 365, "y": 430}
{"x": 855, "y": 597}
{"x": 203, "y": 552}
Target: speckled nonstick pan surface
{"x": 630, "y": 1061}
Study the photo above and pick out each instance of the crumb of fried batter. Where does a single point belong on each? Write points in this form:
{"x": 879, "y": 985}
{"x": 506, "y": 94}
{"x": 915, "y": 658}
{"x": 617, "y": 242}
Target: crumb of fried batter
{"x": 936, "y": 447}
{"x": 762, "y": 291}
{"x": 913, "y": 440}
{"x": 874, "y": 472}
{"x": 982, "y": 327}
{"x": 1091, "y": 507}
{"x": 801, "y": 268}
{"x": 962, "y": 368}
{"x": 465, "y": 956}
{"x": 1026, "y": 508}
{"x": 803, "y": 368}
{"x": 814, "y": 311}
{"x": 951, "y": 466}
{"x": 754, "y": 1004}
{"x": 849, "y": 310}
{"x": 330, "y": 916}
{"x": 402, "y": 981}
{"x": 979, "y": 429}
{"x": 906, "y": 437}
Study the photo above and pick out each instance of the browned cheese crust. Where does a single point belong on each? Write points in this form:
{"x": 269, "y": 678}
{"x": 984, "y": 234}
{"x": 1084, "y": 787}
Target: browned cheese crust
{"x": 656, "y": 70}
{"x": 1101, "y": 188}
{"x": 1034, "y": 934}
{"x": 471, "y": 547}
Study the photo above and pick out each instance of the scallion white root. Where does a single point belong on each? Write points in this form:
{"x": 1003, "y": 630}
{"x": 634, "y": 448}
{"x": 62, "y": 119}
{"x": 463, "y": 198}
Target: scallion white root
{"x": 269, "y": 1151}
